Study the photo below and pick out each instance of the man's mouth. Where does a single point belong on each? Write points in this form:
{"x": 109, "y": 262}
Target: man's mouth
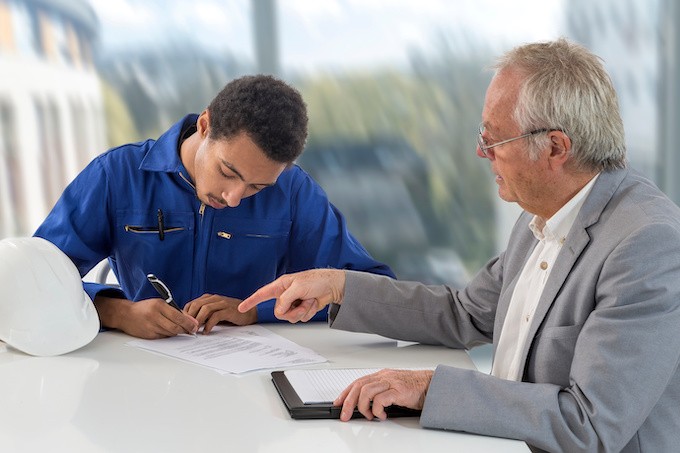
{"x": 216, "y": 203}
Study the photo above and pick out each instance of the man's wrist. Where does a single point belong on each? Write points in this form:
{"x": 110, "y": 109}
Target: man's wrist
{"x": 339, "y": 288}
{"x": 111, "y": 310}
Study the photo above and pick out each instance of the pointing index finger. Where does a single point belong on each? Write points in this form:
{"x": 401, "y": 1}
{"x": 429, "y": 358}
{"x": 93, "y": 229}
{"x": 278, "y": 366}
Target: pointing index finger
{"x": 272, "y": 290}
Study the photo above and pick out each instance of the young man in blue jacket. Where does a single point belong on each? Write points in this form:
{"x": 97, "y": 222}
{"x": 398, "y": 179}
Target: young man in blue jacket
{"x": 215, "y": 208}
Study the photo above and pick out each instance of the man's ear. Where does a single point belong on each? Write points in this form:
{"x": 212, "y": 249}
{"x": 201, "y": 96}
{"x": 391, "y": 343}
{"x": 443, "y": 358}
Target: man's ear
{"x": 203, "y": 124}
{"x": 560, "y": 147}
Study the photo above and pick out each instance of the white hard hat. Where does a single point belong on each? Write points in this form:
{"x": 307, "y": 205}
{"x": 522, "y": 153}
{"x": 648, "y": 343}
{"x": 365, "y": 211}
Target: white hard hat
{"x": 44, "y": 310}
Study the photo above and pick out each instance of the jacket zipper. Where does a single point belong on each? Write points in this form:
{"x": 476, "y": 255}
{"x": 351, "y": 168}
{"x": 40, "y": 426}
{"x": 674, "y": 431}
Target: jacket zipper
{"x": 201, "y": 209}
{"x": 200, "y": 254}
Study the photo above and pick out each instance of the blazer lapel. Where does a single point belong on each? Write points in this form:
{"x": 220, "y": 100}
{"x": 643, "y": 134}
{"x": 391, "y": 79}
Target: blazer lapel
{"x": 576, "y": 241}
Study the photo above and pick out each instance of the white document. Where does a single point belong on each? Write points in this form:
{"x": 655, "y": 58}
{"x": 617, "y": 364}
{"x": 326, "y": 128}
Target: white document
{"x": 324, "y": 385}
{"x": 230, "y": 349}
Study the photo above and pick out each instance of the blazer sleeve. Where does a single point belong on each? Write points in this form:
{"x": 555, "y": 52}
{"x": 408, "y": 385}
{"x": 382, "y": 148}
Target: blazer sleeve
{"x": 413, "y": 311}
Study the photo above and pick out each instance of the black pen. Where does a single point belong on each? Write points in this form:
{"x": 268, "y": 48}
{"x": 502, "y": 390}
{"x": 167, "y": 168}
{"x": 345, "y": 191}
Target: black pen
{"x": 165, "y": 293}
{"x": 161, "y": 230}
{"x": 162, "y": 289}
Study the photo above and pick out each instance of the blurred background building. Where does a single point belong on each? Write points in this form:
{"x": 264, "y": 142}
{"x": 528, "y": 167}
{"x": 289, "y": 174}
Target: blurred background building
{"x": 394, "y": 90}
{"x": 51, "y": 109}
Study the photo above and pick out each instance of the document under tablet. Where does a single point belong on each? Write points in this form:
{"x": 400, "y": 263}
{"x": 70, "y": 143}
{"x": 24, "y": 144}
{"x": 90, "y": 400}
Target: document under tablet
{"x": 309, "y": 394}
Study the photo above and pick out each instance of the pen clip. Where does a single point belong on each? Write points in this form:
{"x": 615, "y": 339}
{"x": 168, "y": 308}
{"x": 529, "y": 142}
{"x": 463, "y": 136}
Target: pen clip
{"x": 161, "y": 225}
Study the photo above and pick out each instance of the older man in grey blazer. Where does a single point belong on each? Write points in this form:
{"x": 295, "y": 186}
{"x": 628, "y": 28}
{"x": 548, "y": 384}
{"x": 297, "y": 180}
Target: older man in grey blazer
{"x": 583, "y": 307}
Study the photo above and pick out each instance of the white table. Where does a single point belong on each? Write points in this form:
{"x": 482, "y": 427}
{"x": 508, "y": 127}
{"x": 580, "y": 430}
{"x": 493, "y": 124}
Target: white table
{"x": 110, "y": 397}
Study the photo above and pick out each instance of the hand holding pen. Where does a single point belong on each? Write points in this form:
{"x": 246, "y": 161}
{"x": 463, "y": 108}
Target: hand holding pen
{"x": 165, "y": 293}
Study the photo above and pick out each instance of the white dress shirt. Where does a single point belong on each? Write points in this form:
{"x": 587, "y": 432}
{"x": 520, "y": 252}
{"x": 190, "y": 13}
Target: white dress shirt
{"x": 551, "y": 234}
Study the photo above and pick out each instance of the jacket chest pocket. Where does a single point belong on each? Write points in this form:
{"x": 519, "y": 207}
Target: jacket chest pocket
{"x": 245, "y": 235}
{"x": 152, "y": 230}
{"x": 250, "y": 249}
{"x": 251, "y": 233}
{"x": 157, "y": 223}
{"x": 142, "y": 235}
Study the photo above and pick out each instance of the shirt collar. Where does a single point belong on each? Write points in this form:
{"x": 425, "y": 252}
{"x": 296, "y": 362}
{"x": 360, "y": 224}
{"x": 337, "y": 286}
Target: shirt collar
{"x": 163, "y": 155}
{"x": 557, "y": 227}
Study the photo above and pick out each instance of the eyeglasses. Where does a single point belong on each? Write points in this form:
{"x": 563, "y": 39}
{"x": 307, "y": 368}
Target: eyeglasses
{"x": 485, "y": 148}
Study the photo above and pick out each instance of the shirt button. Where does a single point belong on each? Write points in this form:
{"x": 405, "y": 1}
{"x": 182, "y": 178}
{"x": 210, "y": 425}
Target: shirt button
{"x": 544, "y": 265}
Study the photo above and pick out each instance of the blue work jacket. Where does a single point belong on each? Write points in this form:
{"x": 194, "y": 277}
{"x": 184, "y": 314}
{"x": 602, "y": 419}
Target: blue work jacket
{"x": 111, "y": 210}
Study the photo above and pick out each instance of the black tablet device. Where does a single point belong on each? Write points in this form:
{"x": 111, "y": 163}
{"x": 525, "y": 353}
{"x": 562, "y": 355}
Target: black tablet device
{"x": 300, "y": 411}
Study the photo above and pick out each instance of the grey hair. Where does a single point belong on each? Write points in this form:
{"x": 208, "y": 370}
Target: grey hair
{"x": 566, "y": 87}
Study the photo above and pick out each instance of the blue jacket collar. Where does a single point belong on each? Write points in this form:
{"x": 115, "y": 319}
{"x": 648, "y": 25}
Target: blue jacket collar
{"x": 163, "y": 155}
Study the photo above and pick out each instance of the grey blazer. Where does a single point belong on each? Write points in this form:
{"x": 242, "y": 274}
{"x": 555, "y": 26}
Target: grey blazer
{"x": 601, "y": 367}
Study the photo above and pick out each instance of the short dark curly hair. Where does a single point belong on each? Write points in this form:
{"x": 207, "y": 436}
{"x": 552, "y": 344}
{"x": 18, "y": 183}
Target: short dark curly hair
{"x": 270, "y": 111}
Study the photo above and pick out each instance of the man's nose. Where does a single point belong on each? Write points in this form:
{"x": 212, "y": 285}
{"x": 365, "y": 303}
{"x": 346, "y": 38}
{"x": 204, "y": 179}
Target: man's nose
{"x": 234, "y": 195}
{"x": 488, "y": 155}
